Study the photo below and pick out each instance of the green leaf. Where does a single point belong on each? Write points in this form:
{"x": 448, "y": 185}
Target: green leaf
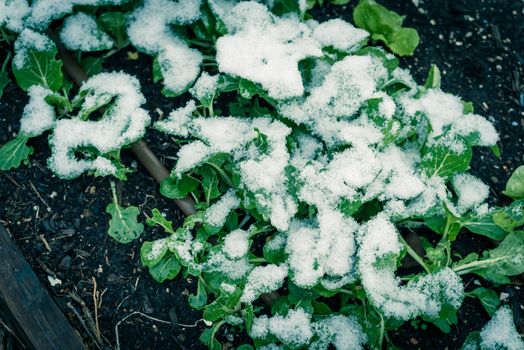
{"x": 487, "y": 297}
{"x": 157, "y": 71}
{"x": 227, "y": 83}
{"x": 151, "y": 253}
{"x": 443, "y": 160}
{"x": 437, "y": 255}
{"x": 92, "y": 65}
{"x": 167, "y": 269}
{"x": 224, "y": 305}
{"x": 210, "y": 183}
{"x": 177, "y": 188}
{"x": 386, "y": 26}
{"x": 245, "y": 347}
{"x": 281, "y": 7}
{"x": 208, "y": 337}
{"x": 468, "y": 107}
{"x": 404, "y": 41}
{"x": 159, "y": 220}
{"x": 115, "y": 24}
{"x": 511, "y": 217}
{"x": 40, "y": 68}
{"x": 4, "y": 78}
{"x": 14, "y": 152}
{"x": 495, "y": 149}
{"x": 261, "y": 142}
{"x": 390, "y": 61}
{"x": 280, "y": 306}
{"x": 472, "y": 341}
{"x": 321, "y": 308}
{"x": 446, "y": 317}
{"x": 297, "y": 294}
{"x": 484, "y": 225}
{"x": 124, "y": 226}
{"x": 497, "y": 264}
{"x": 59, "y": 101}
{"x": 199, "y": 300}
{"x": 274, "y": 254}
{"x": 515, "y": 184}
{"x": 293, "y": 181}
{"x": 433, "y": 79}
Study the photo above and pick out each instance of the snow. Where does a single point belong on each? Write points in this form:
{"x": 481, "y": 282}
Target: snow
{"x": 500, "y": 332}
{"x": 471, "y": 191}
{"x": 345, "y": 333}
{"x": 265, "y": 49}
{"x": 217, "y": 213}
{"x": 38, "y": 115}
{"x": 12, "y": 14}
{"x": 233, "y": 269}
{"x": 30, "y": 40}
{"x": 296, "y": 330}
{"x": 446, "y": 111}
{"x": 353, "y": 144}
{"x": 425, "y": 296}
{"x": 176, "y": 123}
{"x": 157, "y": 248}
{"x": 346, "y": 87}
{"x": 121, "y": 125}
{"x": 263, "y": 279}
{"x": 340, "y": 35}
{"x": 205, "y": 87}
{"x": 476, "y": 126}
{"x": 43, "y": 12}
{"x": 323, "y": 251}
{"x": 150, "y": 30}
{"x": 263, "y": 172}
{"x": 80, "y": 32}
{"x": 236, "y": 244}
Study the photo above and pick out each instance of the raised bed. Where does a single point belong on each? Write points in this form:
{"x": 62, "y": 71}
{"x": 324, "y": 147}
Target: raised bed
{"x": 61, "y": 226}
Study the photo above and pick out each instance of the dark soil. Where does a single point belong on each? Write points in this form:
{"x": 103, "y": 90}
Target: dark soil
{"x": 61, "y": 225}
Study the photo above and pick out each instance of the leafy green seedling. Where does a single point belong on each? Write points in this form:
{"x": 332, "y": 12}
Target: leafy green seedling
{"x": 123, "y": 226}
{"x": 14, "y": 153}
{"x": 515, "y": 184}
{"x": 386, "y": 26}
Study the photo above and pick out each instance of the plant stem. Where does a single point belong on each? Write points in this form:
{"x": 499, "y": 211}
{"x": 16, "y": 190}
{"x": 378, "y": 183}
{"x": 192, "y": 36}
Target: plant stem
{"x": 200, "y": 43}
{"x": 414, "y": 254}
{"x": 222, "y": 173}
{"x": 475, "y": 265}
{"x": 382, "y": 329}
{"x": 257, "y": 260}
{"x": 7, "y": 58}
{"x": 5, "y": 36}
{"x": 244, "y": 221}
{"x": 113, "y": 191}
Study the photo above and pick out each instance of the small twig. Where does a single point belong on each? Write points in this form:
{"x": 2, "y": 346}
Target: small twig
{"x": 120, "y": 304}
{"x": 39, "y": 196}
{"x": 95, "y": 302}
{"x": 46, "y": 244}
{"x": 85, "y": 311}
{"x": 150, "y": 318}
{"x": 13, "y": 181}
{"x": 83, "y": 323}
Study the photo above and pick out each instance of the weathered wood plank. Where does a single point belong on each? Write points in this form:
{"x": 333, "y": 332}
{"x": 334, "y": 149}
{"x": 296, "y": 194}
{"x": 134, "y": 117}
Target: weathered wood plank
{"x": 37, "y": 319}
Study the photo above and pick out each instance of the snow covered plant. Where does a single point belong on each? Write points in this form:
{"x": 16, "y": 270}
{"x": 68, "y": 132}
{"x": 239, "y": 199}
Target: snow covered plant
{"x": 309, "y": 178}
{"x": 311, "y": 155}
{"x": 83, "y": 138}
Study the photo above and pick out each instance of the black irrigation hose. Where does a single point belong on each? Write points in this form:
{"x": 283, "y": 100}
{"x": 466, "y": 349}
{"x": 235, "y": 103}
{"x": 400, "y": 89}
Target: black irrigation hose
{"x": 142, "y": 152}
